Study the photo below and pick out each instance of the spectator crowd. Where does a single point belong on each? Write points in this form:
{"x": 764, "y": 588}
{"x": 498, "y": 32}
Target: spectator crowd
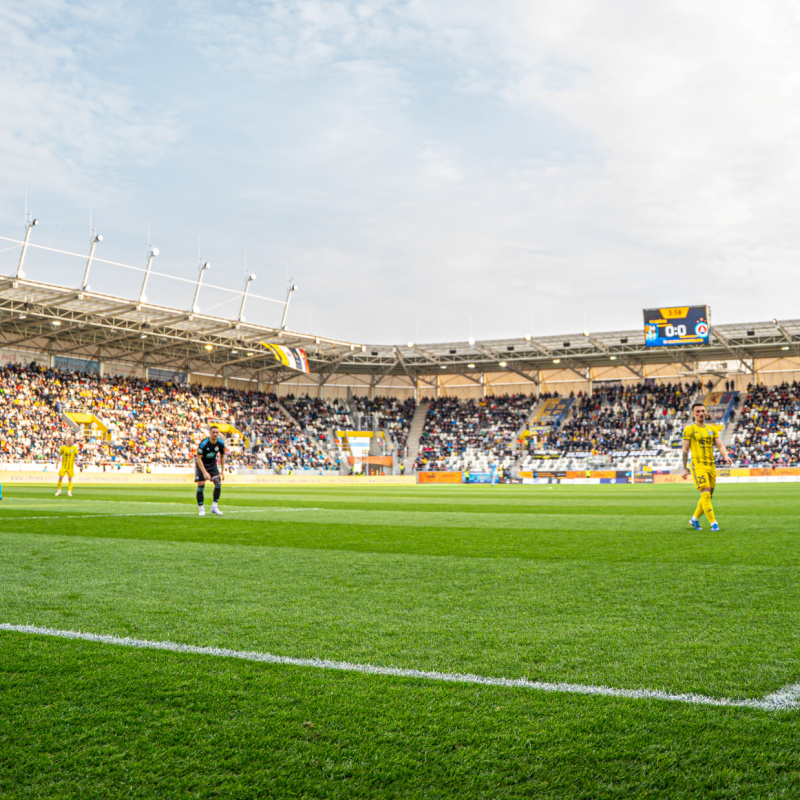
{"x": 151, "y": 422}
{"x": 767, "y": 431}
{"x": 625, "y": 419}
{"x": 148, "y": 422}
{"x": 459, "y": 433}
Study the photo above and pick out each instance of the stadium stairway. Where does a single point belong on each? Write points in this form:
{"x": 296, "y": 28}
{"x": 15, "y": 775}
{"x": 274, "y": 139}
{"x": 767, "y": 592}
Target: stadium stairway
{"x": 414, "y": 434}
{"x": 726, "y": 434}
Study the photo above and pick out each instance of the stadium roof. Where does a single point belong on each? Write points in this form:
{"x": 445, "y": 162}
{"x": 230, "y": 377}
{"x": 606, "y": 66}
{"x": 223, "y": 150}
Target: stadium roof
{"x": 83, "y": 324}
{"x": 80, "y": 323}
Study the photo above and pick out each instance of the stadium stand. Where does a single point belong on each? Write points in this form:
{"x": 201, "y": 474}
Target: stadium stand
{"x": 387, "y": 414}
{"x": 767, "y": 432}
{"x": 127, "y": 421}
{"x": 618, "y": 425}
{"x": 147, "y": 422}
{"x": 472, "y": 434}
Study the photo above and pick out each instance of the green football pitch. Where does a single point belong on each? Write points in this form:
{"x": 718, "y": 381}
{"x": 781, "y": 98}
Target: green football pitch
{"x": 562, "y": 590}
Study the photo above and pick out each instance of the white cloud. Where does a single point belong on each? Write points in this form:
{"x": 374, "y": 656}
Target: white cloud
{"x": 65, "y": 127}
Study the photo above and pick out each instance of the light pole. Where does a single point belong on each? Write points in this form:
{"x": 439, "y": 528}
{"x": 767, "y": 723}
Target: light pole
{"x": 150, "y": 257}
{"x": 206, "y": 265}
{"x": 85, "y": 284}
{"x": 31, "y": 225}
{"x": 292, "y": 288}
{"x": 250, "y": 279}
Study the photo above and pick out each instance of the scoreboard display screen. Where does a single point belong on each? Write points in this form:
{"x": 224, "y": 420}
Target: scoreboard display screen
{"x": 676, "y": 326}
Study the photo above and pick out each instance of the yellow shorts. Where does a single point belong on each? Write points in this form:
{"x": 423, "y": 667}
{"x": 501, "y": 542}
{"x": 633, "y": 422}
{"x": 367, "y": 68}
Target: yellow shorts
{"x": 70, "y": 473}
{"x": 704, "y": 477}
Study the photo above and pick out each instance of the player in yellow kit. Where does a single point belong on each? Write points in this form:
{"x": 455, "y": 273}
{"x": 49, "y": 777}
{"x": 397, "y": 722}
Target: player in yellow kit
{"x": 67, "y": 454}
{"x": 700, "y": 438}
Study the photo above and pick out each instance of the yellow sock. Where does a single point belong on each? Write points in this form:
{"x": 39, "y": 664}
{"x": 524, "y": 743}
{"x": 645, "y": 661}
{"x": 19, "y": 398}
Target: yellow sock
{"x": 698, "y": 512}
{"x": 69, "y": 486}
{"x": 705, "y": 501}
{"x": 59, "y": 483}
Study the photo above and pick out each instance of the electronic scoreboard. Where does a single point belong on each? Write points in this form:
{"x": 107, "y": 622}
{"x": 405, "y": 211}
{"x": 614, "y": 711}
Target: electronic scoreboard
{"x": 676, "y": 326}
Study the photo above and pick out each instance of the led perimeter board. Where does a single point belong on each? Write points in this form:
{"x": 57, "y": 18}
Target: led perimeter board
{"x": 676, "y": 326}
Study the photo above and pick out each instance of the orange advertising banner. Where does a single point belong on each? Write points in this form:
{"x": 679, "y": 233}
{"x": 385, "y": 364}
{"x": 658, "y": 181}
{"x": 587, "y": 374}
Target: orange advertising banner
{"x": 383, "y": 461}
{"x": 439, "y": 477}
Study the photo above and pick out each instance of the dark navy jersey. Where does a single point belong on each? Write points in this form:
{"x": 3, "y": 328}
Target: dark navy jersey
{"x": 208, "y": 452}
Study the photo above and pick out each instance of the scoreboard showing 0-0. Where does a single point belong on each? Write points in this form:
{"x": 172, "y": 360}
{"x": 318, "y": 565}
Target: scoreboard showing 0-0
{"x": 676, "y": 326}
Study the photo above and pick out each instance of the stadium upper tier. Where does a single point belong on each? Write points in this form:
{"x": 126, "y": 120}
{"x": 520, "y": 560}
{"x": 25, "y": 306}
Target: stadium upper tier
{"x": 78, "y": 323}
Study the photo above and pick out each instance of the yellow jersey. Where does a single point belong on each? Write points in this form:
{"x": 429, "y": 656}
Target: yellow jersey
{"x": 68, "y": 453}
{"x": 702, "y": 443}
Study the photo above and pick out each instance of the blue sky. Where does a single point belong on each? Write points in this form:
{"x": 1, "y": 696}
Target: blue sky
{"x": 527, "y": 166}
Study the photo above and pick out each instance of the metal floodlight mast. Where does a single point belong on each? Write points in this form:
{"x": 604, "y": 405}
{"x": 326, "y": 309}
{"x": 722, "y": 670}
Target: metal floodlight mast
{"x": 153, "y": 253}
{"x": 292, "y": 288}
{"x": 85, "y": 282}
{"x": 250, "y": 279}
{"x": 31, "y": 225}
{"x": 206, "y": 265}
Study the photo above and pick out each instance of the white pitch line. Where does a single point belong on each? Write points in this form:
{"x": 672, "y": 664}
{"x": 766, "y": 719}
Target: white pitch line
{"x": 785, "y": 699}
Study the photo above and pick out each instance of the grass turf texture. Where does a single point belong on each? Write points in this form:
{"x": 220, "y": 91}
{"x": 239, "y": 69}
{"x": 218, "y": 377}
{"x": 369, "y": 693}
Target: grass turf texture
{"x": 597, "y": 585}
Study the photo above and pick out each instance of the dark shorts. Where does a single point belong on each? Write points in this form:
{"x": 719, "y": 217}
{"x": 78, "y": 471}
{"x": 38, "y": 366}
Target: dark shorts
{"x": 211, "y": 469}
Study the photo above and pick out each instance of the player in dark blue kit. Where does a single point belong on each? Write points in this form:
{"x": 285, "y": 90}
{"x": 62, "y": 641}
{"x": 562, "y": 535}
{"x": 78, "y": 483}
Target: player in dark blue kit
{"x": 206, "y": 468}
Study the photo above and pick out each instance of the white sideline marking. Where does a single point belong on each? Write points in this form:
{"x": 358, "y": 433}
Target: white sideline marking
{"x": 784, "y": 699}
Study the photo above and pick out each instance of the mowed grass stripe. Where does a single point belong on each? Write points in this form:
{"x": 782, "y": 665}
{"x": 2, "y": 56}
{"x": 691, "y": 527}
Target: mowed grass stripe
{"x": 717, "y": 630}
{"x": 608, "y": 538}
{"x": 566, "y": 500}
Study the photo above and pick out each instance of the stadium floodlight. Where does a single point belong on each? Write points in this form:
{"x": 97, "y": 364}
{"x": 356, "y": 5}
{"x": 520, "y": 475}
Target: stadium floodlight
{"x": 363, "y": 348}
{"x": 586, "y": 333}
{"x": 471, "y": 341}
{"x": 775, "y": 322}
{"x": 209, "y": 347}
{"x": 528, "y": 337}
{"x": 250, "y": 279}
{"x": 785, "y": 347}
{"x": 142, "y": 335}
{"x": 613, "y": 358}
{"x": 23, "y": 315}
{"x": 411, "y": 344}
{"x": 85, "y": 282}
{"x": 56, "y": 323}
{"x": 292, "y": 288}
{"x": 556, "y": 360}
{"x": 31, "y": 225}
{"x": 154, "y": 251}
{"x": 250, "y": 353}
{"x": 503, "y": 364}
{"x": 470, "y": 366}
{"x": 203, "y": 267}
